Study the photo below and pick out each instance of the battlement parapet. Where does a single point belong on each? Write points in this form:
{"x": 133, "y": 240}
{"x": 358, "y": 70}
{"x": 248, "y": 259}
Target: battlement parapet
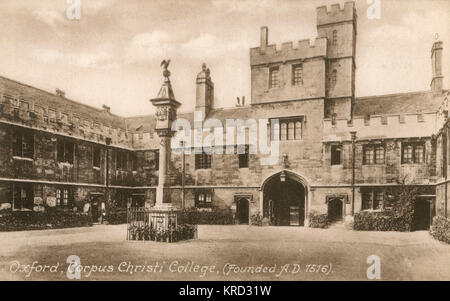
{"x": 305, "y": 49}
{"x": 336, "y": 14}
{"x": 381, "y": 126}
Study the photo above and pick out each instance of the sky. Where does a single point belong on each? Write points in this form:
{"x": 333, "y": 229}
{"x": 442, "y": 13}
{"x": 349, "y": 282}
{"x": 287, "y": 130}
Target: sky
{"x": 112, "y": 54}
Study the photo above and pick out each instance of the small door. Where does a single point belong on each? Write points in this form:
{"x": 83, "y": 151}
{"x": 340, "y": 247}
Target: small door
{"x": 335, "y": 209}
{"x": 422, "y": 214}
{"x": 294, "y": 212}
{"x": 242, "y": 211}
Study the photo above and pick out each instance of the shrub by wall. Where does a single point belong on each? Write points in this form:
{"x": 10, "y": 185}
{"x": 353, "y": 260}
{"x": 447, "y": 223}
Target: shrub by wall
{"x": 440, "y": 229}
{"x": 381, "y": 221}
{"x": 195, "y": 216}
{"x": 398, "y": 218}
{"x": 117, "y": 217}
{"x": 21, "y": 221}
{"x": 318, "y": 220}
{"x": 256, "y": 219}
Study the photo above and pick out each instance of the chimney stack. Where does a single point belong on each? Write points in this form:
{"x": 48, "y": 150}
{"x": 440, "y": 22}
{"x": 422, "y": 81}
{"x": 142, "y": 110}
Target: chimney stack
{"x": 204, "y": 92}
{"x": 264, "y": 37}
{"x": 107, "y": 109}
{"x": 436, "y": 65}
{"x": 60, "y": 93}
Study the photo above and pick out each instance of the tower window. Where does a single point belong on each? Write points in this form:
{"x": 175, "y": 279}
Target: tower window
{"x": 297, "y": 75}
{"x": 274, "y": 80}
{"x": 336, "y": 151}
{"x": 334, "y": 37}
{"x": 243, "y": 158}
{"x": 290, "y": 128}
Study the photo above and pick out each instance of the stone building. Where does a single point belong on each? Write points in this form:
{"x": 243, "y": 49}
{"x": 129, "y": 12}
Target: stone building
{"x": 338, "y": 154}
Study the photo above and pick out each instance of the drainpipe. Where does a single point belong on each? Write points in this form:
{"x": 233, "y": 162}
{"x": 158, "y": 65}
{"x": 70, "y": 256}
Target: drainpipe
{"x": 446, "y": 166}
{"x": 353, "y": 137}
{"x": 183, "y": 163}
{"x": 107, "y": 201}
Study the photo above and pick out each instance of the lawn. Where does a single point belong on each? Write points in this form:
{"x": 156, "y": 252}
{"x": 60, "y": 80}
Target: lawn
{"x": 223, "y": 253}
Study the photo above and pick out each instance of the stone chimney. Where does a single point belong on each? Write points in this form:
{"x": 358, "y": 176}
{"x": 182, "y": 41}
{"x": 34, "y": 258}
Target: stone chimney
{"x": 60, "y": 93}
{"x": 106, "y": 108}
{"x": 264, "y": 37}
{"x": 205, "y": 92}
{"x": 436, "y": 66}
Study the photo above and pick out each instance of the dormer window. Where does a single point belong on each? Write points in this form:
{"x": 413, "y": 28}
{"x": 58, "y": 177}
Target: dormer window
{"x": 274, "y": 80}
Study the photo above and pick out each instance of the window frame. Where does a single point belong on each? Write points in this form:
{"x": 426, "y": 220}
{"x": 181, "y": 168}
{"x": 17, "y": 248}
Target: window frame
{"x": 283, "y": 125}
{"x": 29, "y": 199}
{"x": 274, "y": 81}
{"x": 64, "y": 197}
{"x": 334, "y": 38}
{"x": 203, "y": 161}
{"x": 373, "y": 147}
{"x": 18, "y": 147}
{"x": 122, "y": 158}
{"x": 413, "y": 146}
{"x": 373, "y": 194}
{"x": 244, "y": 159}
{"x": 203, "y": 198}
{"x": 96, "y": 156}
{"x": 67, "y": 147}
{"x": 334, "y": 147}
{"x": 297, "y": 78}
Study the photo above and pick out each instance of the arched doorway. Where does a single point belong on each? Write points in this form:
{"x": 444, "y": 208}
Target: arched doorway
{"x": 242, "y": 211}
{"x": 335, "y": 209}
{"x": 284, "y": 198}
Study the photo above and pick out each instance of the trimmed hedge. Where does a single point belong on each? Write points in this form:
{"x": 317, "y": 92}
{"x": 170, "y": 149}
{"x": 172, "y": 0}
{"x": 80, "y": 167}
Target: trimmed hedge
{"x": 440, "y": 229}
{"x": 318, "y": 220}
{"x": 29, "y": 220}
{"x": 117, "y": 218}
{"x": 202, "y": 217}
{"x": 381, "y": 221}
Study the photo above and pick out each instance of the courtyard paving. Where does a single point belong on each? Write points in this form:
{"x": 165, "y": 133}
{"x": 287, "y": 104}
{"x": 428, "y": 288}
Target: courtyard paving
{"x": 224, "y": 253}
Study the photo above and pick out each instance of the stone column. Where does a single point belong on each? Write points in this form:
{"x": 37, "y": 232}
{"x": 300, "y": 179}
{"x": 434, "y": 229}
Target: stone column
{"x": 163, "y": 215}
{"x": 163, "y": 189}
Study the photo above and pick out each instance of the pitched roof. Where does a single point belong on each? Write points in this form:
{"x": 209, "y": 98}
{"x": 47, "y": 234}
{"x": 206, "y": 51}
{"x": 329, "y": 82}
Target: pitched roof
{"x": 413, "y": 102}
{"x": 46, "y": 99}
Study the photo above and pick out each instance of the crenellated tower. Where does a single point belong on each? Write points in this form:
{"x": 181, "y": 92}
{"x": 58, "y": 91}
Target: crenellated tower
{"x": 339, "y": 26}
